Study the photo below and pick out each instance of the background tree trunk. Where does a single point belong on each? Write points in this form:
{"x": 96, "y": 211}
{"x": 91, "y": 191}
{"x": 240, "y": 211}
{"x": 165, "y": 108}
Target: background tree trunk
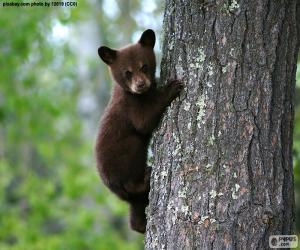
{"x": 222, "y": 170}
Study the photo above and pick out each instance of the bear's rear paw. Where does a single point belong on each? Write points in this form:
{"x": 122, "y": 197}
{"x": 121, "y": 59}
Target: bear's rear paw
{"x": 138, "y": 219}
{"x": 138, "y": 226}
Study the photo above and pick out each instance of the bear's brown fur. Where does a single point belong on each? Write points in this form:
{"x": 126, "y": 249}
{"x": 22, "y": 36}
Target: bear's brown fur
{"x": 134, "y": 111}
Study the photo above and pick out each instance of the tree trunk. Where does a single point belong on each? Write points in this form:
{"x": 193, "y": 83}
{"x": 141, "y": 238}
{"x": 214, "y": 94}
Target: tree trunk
{"x": 222, "y": 170}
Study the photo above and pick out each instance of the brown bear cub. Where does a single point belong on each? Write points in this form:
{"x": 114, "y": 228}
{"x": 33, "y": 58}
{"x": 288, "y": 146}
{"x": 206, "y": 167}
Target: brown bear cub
{"x": 134, "y": 111}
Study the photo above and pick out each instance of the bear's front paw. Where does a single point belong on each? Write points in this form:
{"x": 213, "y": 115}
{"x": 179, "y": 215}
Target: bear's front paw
{"x": 174, "y": 88}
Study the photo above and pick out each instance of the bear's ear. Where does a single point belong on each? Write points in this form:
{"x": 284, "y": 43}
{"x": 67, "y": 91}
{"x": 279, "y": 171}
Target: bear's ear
{"x": 107, "y": 55}
{"x": 148, "y": 38}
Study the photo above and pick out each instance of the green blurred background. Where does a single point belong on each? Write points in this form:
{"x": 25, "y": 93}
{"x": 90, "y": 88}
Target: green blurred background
{"x": 53, "y": 88}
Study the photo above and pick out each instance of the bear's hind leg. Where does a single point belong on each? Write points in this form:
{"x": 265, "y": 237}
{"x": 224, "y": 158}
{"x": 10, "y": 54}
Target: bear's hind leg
{"x": 141, "y": 185}
{"x": 138, "y": 193}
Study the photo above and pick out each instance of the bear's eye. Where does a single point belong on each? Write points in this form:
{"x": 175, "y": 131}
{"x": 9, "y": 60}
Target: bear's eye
{"x": 128, "y": 74}
{"x": 144, "y": 68}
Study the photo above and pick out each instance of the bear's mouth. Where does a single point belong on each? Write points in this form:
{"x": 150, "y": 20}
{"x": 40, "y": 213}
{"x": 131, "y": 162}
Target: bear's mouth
{"x": 140, "y": 88}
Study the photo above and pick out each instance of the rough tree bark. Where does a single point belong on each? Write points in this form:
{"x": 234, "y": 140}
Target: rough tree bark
{"x": 222, "y": 169}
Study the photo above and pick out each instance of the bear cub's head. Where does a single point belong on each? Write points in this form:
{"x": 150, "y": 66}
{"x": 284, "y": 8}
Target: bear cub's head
{"x": 133, "y": 67}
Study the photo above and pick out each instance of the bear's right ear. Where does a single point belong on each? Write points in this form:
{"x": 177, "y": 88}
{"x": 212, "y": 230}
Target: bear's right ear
{"x": 107, "y": 55}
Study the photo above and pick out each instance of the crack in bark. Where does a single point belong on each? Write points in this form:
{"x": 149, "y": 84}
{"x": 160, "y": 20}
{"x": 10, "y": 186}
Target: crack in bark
{"x": 234, "y": 88}
{"x": 250, "y": 172}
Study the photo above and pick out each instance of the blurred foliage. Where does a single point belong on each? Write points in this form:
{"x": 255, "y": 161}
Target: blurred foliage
{"x": 50, "y": 194}
{"x": 296, "y": 152}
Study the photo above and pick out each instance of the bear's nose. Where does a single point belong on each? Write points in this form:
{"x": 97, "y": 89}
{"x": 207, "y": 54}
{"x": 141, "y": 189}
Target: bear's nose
{"x": 141, "y": 84}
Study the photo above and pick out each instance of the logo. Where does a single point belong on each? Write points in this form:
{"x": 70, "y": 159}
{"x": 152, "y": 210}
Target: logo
{"x": 283, "y": 241}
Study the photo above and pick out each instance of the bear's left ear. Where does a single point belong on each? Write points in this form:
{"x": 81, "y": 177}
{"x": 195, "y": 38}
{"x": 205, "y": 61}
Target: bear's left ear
{"x": 148, "y": 38}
